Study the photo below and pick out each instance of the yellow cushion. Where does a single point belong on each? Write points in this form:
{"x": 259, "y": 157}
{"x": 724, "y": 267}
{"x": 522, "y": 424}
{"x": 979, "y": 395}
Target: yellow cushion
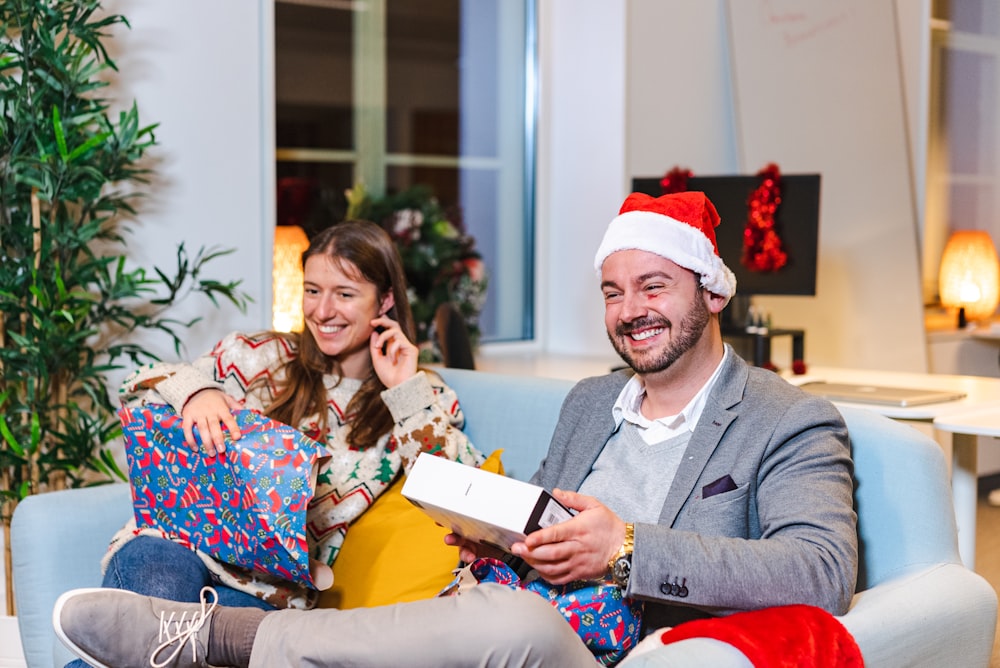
{"x": 393, "y": 553}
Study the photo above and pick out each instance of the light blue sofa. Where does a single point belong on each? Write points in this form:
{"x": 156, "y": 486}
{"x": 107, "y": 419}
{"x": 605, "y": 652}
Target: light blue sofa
{"x": 916, "y": 604}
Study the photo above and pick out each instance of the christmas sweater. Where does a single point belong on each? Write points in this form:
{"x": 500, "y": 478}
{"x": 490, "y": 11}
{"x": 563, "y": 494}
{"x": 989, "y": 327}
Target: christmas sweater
{"x": 426, "y": 415}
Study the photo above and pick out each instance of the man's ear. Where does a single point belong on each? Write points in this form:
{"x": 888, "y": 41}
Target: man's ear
{"x": 387, "y": 303}
{"x": 714, "y": 302}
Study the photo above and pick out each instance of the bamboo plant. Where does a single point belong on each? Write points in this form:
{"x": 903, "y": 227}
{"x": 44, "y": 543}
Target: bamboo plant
{"x": 70, "y": 176}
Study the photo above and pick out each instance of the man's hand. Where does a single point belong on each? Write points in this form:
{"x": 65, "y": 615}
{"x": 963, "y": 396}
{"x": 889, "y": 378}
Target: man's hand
{"x": 577, "y": 549}
{"x": 210, "y": 410}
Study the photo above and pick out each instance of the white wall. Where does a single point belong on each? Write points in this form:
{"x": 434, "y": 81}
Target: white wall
{"x": 199, "y": 70}
{"x": 680, "y": 106}
{"x": 581, "y": 170}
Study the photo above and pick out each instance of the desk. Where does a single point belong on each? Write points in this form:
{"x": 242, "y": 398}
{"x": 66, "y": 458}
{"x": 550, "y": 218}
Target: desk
{"x": 966, "y": 428}
{"x": 761, "y": 343}
{"x": 978, "y": 414}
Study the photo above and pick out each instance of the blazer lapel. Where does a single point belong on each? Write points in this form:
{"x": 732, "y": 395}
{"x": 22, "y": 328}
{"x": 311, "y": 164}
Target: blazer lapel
{"x": 592, "y": 435}
{"x": 718, "y": 414}
{"x": 703, "y": 442}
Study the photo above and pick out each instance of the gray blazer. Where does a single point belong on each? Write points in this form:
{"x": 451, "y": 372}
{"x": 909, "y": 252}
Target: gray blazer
{"x": 782, "y": 531}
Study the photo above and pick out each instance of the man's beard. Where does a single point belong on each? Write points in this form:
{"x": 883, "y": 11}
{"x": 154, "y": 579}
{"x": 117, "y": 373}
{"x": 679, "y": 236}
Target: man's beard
{"x": 683, "y": 338}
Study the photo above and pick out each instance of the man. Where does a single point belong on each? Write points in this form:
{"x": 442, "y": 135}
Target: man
{"x": 703, "y": 487}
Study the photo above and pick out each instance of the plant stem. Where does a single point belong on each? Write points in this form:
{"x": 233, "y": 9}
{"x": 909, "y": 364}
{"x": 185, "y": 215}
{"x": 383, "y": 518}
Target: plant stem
{"x": 7, "y": 511}
{"x": 4, "y": 485}
{"x": 36, "y": 224}
{"x": 8, "y": 564}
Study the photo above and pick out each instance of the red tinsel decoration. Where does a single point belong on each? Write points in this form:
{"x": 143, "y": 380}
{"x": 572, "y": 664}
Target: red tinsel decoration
{"x": 675, "y": 181}
{"x": 762, "y": 248}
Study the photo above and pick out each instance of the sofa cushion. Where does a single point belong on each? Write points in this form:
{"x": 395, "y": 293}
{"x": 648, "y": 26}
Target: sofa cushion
{"x": 393, "y": 553}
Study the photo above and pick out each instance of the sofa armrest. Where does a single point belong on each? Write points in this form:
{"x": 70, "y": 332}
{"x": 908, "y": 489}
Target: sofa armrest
{"x": 57, "y": 542}
{"x": 946, "y": 613}
{"x": 687, "y": 653}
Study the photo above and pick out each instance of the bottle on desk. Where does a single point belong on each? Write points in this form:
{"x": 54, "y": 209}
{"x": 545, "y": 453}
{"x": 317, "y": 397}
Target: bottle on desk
{"x": 757, "y": 322}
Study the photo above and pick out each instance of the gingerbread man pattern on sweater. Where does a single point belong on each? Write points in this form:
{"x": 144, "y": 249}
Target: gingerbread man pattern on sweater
{"x": 426, "y": 415}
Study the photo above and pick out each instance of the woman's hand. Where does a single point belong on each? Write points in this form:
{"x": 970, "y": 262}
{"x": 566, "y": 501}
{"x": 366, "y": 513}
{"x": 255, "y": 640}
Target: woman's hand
{"x": 394, "y": 358}
{"x": 210, "y": 411}
{"x": 577, "y": 549}
{"x": 469, "y": 551}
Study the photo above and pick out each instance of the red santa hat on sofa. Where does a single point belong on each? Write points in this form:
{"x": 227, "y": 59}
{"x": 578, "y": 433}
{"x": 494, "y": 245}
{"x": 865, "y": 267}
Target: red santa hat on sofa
{"x": 679, "y": 227}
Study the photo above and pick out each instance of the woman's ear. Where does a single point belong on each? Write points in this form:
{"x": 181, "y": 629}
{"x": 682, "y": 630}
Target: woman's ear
{"x": 387, "y": 303}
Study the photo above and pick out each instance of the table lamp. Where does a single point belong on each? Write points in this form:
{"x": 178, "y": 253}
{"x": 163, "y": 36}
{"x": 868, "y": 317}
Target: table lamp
{"x": 290, "y": 241}
{"x": 970, "y": 276}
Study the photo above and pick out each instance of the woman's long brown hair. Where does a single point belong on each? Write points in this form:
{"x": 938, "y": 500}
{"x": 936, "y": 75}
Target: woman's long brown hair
{"x": 358, "y": 246}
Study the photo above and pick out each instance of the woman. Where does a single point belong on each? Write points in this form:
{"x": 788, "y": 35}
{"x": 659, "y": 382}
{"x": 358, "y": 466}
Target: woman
{"x": 349, "y": 381}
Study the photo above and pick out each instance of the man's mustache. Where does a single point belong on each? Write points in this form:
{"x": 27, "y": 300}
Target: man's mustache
{"x": 627, "y": 328}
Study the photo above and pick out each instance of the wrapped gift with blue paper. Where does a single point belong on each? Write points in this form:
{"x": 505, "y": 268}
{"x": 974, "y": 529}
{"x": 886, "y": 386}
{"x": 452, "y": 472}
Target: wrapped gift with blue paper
{"x": 608, "y": 623}
{"x": 246, "y": 506}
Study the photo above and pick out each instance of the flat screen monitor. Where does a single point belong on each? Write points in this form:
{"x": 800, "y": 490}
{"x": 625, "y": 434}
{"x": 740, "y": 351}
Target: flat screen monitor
{"x": 796, "y": 222}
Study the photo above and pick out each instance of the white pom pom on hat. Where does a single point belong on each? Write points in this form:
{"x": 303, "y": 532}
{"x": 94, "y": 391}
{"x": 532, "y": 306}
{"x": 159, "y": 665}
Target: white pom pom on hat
{"x": 679, "y": 227}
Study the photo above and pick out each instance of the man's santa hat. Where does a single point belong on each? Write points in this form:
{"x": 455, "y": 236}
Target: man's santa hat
{"x": 679, "y": 227}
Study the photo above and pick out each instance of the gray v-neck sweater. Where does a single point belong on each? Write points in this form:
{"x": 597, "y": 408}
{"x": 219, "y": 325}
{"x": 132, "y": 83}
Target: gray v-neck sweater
{"x": 632, "y": 477}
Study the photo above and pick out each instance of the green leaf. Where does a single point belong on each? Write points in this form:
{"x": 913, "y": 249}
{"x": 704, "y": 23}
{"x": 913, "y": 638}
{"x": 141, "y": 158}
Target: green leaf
{"x": 8, "y": 437}
{"x": 91, "y": 143}
{"x": 57, "y": 127}
{"x": 36, "y": 431}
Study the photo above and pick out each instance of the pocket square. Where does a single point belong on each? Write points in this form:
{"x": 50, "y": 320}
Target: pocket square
{"x": 720, "y": 486}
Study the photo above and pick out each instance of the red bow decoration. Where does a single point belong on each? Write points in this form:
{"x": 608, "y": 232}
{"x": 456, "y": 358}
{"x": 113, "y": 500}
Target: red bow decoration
{"x": 675, "y": 181}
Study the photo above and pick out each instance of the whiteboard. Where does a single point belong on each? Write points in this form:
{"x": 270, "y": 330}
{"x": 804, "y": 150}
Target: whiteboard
{"x": 818, "y": 88}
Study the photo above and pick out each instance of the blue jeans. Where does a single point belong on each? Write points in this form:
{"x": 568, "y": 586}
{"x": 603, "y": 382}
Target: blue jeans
{"x": 158, "y": 567}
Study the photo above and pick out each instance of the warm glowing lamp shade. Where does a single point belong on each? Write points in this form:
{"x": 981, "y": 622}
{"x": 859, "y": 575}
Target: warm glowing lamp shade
{"x": 970, "y": 274}
{"x": 290, "y": 242}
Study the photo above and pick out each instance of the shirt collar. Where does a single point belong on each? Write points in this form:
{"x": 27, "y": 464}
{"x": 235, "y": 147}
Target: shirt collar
{"x": 629, "y": 402}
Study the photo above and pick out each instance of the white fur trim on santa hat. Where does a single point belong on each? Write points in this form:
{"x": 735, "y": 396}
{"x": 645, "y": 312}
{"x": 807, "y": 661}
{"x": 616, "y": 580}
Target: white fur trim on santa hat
{"x": 667, "y": 237}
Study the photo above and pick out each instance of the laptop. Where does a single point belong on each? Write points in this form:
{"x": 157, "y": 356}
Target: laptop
{"x": 880, "y": 394}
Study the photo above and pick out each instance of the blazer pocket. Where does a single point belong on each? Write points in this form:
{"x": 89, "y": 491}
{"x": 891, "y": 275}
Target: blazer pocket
{"x": 725, "y": 514}
{"x": 720, "y": 486}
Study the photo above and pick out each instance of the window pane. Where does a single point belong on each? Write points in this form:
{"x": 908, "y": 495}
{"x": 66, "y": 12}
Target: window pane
{"x": 399, "y": 93}
{"x": 970, "y": 117}
{"x": 980, "y": 17}
{"x": 422, "y": 45}
{"x": 311, "y": 194}
{"x": 971, "y": 206}
{"x": 314, "y": 77}
{"x": 456, "y": 87}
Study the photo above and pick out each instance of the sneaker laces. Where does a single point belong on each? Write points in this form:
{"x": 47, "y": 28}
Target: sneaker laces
{"x": 178, "y": 631}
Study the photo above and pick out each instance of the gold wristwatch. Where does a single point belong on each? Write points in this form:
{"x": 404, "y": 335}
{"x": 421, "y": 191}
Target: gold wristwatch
{"x": 621, "y": 563}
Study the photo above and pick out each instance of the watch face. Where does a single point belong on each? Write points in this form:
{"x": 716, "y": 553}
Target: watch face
{"x": 622, "y": 570}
